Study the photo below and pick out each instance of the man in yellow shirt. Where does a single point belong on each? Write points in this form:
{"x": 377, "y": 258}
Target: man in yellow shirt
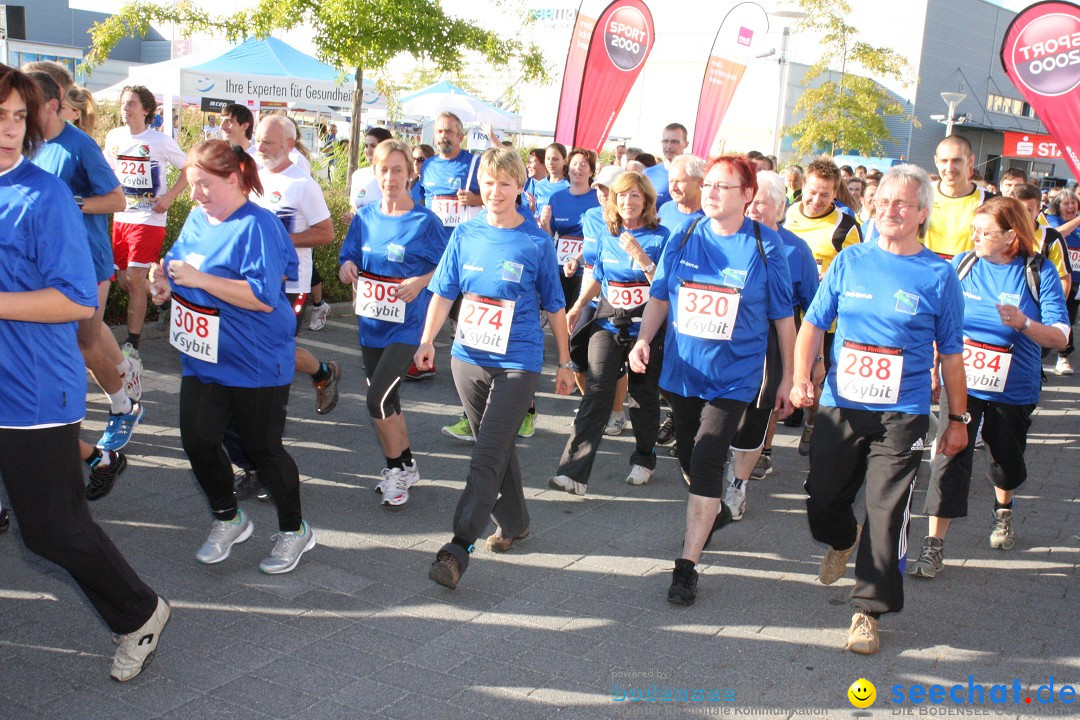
{"x": 955, "y": 199}
{"x": 827, "y": 231}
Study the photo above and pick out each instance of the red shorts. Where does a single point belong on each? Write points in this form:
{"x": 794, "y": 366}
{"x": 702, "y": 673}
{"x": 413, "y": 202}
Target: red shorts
{"x": 136, "y": 245}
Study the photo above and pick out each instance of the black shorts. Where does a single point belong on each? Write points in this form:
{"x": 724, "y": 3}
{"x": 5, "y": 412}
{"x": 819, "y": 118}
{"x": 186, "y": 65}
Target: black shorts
{"x": 754, "y": 424}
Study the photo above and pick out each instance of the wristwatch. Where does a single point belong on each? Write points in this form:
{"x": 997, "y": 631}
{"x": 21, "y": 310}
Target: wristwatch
{"x": 649, "y": 269}
{"x": 79, "y": 200}
{"x": 567, "y": 366}
{"x": 965, "y": 418}
{"x": 1027, "y": 324}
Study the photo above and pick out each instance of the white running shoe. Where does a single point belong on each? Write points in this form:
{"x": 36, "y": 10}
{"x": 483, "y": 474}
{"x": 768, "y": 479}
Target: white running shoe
{"x": 319, "y": 313}
{"x": 735, "y": 498}
{"x": 395, "y": 488}
{"x": 615, "y": 424}
{"x": 1063, "y": 366}
{"x": 133, "y": 378}
{"x": 288, "y": 548}
{"x": 639, "y": 475}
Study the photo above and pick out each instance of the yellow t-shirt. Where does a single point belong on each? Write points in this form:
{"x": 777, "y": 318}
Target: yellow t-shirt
{"x": 949, "y": 233}
{"x": 1049, "y": 242}
{"x": 826, "y": 235}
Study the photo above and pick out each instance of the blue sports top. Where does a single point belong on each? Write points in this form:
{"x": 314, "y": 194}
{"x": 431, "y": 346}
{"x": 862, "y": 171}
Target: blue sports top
{"x": 889, "y": 311}
{"x": 722, "y": 297}
{"x": 252, "y": 245}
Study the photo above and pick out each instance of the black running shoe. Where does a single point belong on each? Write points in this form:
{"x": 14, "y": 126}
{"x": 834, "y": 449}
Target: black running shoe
{"x": 666, "y": 434}
{"x": 795, "y": 419}
{"x": 683, "y": 588}
{"x": 5, "y": 520}
{"x": 102, "y": 478}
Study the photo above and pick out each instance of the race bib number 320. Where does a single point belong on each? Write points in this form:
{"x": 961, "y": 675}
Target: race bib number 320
{"x": 194, "y": 330}
{"x": 707, "y": 311}
{"x": 986, "y": 366}
{"x": 376, "y": 298}
{"x": 869, "y": 374}
{"x": 484, "y": 323}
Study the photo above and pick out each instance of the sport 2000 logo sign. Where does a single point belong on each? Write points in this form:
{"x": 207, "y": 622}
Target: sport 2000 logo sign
{"x": 1046, "y": 54}
{"x": 626, "y": 38}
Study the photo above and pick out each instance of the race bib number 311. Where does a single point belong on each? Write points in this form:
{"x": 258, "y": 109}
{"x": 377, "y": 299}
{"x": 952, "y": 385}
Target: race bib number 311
{"x": 194, "y": 330}
{"x": 869, "y": 374}
{"x": 484, "y": 323}
{"x": 707, "y": 311}
{"x": 452, "y": 212}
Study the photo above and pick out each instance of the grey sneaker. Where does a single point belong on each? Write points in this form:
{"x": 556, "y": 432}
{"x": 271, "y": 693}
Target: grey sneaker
{"x": 834, "y": 564}
{"x": 735, "y": 498}
{"x": 1002, "y": 537}
{"x": 615, "y": 423}
{"x": 804, "y": 439}
{"x": 763, "y": 468}
{"x": 137, "y": 649}
{"x": 567, "y": 484}
{"x": 288, "y": 549}
{"x": 223, "y": 535}
{"x": 930, "y": 561}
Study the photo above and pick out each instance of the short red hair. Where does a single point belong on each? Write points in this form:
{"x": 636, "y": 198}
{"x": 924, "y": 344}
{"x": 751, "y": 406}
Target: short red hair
{"x": 739, "y": 165}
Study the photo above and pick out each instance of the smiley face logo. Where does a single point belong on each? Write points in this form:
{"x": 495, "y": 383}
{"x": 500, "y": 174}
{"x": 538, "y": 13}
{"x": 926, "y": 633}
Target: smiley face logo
{"x": 862, "y": 693}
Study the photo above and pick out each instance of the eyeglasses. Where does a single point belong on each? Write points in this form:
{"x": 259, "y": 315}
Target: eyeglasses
{"x": 899, "y": 205}
{"x": 719, "y": 187}
{"x": 419, "y": 158}
{"x": 977, "y": 234}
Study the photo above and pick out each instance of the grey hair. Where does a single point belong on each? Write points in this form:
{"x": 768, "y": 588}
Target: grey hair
{"x": 282, "y": 122}
{"x": 692, "y": 164}
{"x": 455, "y": 118}
{"x": 911, "y": 174}
{"x": 775, "y": 189}
{"x": 1055, "y": 204}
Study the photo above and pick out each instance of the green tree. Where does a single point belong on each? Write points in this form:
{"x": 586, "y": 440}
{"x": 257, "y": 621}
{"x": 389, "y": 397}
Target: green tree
{"x": 360, "y": 34}
{"x": 848, "y": 113}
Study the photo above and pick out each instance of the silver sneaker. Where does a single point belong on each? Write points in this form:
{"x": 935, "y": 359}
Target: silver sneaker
{"x": 288, "y": 548}
{"x": 930, "y": 561}
{"x": 567, "y": 484}
{"x": 412, "y": 476}
{"x": 615, "y": 424}
{"x": 639, "y": 475}
{"x": 395, "y": 488}
{"x": 1002, "y": 537}
{"x": 223, "y": 535}
{"x": 137, "y": 649}
{"x": 763, "y": 468}
{"x": 133, "y": 378}
{"x": 735, "y": 498}
{"x": 319, "y": 313}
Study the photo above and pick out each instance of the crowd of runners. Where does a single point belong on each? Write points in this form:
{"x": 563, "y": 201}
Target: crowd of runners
{"x": 843, "y": 301}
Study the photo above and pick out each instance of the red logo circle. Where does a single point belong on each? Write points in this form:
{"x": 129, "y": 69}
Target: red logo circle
{"x": 627, "y": 37}
{"x": 1046, "y": 54}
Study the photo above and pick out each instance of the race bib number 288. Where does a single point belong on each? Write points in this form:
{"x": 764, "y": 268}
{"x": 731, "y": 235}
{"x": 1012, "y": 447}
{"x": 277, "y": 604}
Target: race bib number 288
{"x": 869, "y": 374}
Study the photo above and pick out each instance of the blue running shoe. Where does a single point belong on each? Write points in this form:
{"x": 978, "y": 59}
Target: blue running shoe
{"x": 121, "y": 425}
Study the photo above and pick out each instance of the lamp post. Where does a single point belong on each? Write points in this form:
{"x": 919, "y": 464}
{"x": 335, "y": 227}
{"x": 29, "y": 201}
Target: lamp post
{"x": 952, "y": 99}
{"x": 783, "y": 62}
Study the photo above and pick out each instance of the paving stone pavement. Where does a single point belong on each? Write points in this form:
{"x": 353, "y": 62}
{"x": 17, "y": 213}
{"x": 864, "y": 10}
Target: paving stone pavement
{"x": 565, "y": 625}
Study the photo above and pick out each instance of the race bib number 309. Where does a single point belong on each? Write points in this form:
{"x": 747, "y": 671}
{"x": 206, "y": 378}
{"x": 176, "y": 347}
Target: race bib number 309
{"x": 484, "y": 323}
{"x": 194, "y": 330}
{"x": 869, "y": 374}
{"x": 707, "y": 311}
{"x": 376, "y": 298}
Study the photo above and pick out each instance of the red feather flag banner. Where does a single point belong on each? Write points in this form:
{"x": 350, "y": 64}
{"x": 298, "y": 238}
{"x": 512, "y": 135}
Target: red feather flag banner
{"x": 1041, "y": 55}
{"x": 584, "y": 24}
{"x": 742, "y": 29}
{"x": 621, "y": 42}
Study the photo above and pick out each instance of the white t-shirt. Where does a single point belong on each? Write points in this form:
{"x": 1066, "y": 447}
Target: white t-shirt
{"x": 298, "y": 202}
{"x": 139, "y": 162}
{"x": 365, "y": 188}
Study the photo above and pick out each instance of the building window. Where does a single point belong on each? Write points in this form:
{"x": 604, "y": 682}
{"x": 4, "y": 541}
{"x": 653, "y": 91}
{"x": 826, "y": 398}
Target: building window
{"x": 1009, "y": 106}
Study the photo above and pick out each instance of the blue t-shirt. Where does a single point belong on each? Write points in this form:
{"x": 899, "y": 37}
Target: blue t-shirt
{"x": 887, "y": 308}
{"x": 718, "y": 285}
{"x": 988, "y": 342}
{"x": 622, "y": 280}
{"x": 544, "y": 189}
{"x": 393, "y": 248}
{"x": 1072, "y": 240}
{"x": 658, "y": 176}
{"x": 803, "y": 269}
{"x": 438, "y": 174}
{"x": 42, "y": 245}
{"x": 488, "y": 265}
{"x": 75, "y": 158}
{"x": 673, "y": 218}
{"x": 567, "y": 210}
{"x": 252, "y": 245}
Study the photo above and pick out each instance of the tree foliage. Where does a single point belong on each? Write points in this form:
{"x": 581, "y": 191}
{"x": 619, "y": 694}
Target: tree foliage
{"x": 849, "y": 113}
{"x": 360, "y": 34}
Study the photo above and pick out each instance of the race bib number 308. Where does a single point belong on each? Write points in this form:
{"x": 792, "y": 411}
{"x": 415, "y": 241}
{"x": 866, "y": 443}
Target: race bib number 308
{"x": 376, "y": 298}
{"x": 869, "y": 374}
{"x": 986, "y": 366}
{"x": 194, "y": 330}
{"x": 707, "y": 311}
{"x": 484, "y": 323}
